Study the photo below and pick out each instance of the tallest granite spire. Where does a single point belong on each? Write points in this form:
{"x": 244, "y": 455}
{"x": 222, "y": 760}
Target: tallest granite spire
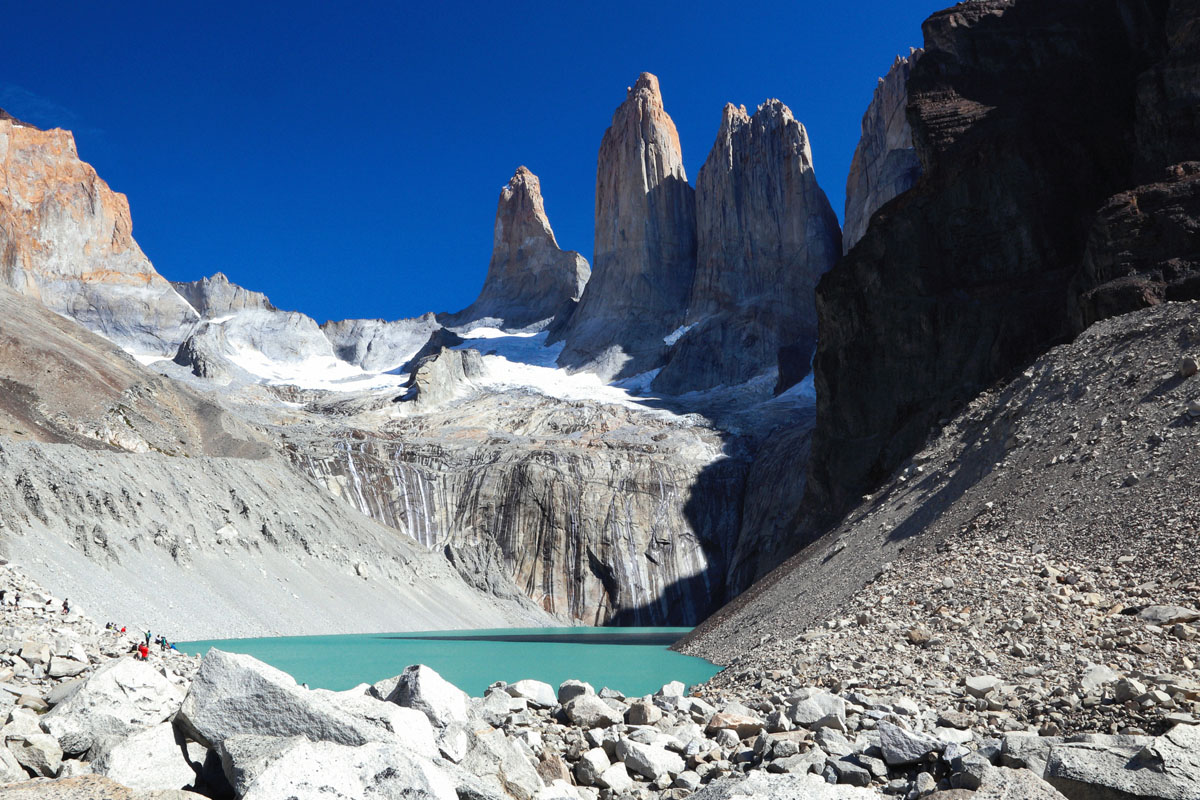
{"x": 645, "y": 248}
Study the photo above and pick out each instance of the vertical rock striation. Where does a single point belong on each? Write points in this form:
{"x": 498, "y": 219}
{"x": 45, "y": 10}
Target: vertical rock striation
{"x": 885, "y": 163}
{"x": 765, "y": 235}
{"x": 529, "y": 279}
{"x": 66, "y": 239}
{"x": 602, "y": 513}
{"x": 1024, "y": 118}
{"x": 645, "y": 246}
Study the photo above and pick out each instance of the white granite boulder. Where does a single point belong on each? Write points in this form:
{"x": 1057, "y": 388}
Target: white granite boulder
{"x": 120, "y": 698}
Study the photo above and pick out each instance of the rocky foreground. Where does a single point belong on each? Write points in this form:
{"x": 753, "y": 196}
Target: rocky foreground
{"x": 84, "y": 718}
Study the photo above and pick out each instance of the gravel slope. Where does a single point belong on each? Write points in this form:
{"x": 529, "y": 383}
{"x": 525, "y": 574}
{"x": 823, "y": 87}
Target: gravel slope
{"x": 1067, "y": 495}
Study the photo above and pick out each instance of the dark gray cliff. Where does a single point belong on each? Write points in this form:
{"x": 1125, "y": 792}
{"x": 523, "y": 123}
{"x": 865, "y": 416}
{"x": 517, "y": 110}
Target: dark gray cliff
{"x": 1024, "y": 116}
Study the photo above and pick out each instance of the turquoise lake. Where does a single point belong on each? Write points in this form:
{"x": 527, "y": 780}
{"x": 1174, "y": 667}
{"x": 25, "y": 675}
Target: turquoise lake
{"x": 634, "y": 661}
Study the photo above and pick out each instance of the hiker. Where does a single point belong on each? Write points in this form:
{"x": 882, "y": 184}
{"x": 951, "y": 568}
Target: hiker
{"x": 147, "y": 637}
{"x": 122, "y": 629}
{"x": 66, "y": 606}
{"x": 144, "y": 652}
{"x": 162, "y": 643}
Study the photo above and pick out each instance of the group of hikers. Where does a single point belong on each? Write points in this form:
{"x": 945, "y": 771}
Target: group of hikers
{"x": 141, "y": 649}
{"x": 66, "y": 603}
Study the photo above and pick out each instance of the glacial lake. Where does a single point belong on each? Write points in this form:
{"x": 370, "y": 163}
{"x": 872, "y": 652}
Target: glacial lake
{"x": 634, "y": 661}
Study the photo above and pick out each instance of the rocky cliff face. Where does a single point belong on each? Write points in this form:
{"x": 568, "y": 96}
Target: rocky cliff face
{"x": 529, "y": 279}
{"x": 885, "y": 163}
{"x": 967, "y": 275}
{"x": 645, "y": 247}
{"x": 217, "y": 297}
{"x": 599, "y": 512}
{"x": 66, "y": 239}
{"x": 765, "y": 235}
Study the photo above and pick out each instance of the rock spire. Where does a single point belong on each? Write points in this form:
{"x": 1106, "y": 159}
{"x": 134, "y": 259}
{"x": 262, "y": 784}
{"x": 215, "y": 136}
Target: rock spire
{"x": 765, "y": 235}
{"x": 529, "y": 278}
{"x": 645, "y": 245}
{"x": 885, "y": 163}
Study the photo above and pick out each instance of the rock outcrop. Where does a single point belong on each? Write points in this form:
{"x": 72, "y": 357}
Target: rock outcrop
{"x": 442, "y": 378}
{"x": 375, "y": 345}
{"x": 765, "y": 235}
{"x": 529, "y": 279}
{"x": 967, "y": 275}
{"x": 644, "y": 257}
{"x": 218, "y": 297}
{"x": 885, "y": 163}
{"x": 1143, "y": 249}
{"x": 66, "y": 239}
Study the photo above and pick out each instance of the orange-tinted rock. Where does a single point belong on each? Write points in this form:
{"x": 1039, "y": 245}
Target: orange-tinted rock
{"x": 645, "y": 247}
{"x": 67, "y": 239}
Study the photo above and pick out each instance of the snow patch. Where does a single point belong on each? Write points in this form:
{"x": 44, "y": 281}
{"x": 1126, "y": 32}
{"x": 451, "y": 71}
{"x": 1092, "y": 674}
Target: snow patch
{"x": 674, "y": 336}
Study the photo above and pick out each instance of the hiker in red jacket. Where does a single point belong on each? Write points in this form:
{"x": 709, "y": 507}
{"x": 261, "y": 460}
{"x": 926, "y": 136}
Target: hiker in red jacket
{"x": 143, "y": 651}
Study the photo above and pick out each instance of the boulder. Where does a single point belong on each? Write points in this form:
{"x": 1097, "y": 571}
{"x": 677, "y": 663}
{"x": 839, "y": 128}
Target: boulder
{"x": 121, "y": 697}
{"x": 981, "y": 685}
{"x": 589, "y": 711}
{"x": 820, "y": 710}
{"x": 11, "y": 770}
{"x": 154, "y": 758}
{"x": 35, "y": 652}
{"x": 1156, "y": 615}
{"x": 902, "y": 746}
{"x": 1168, "y": 767}
{"x": 493, "y": 755}
{"x": 421, "y": 688}
{"x": 643, "y": 712}
{"x": 325, "y": 770}
{"x": 245, "y": 757}
{"x": 65, "y": 667}
{"x": 1001, "y": 783}
{"x": 234, "y": 694}
{"x": 570, "y": 689}
{"x": 649, "y": 761}
{"x": 90, "y": 787}
{"x": 743, "y": 725}
{"x": 1096, "y": 676}
{"x": 537, "y": 693}
{"x": 758, "y": 784}
{"x": 591, "y": 766}
{"x": 37, "y": 752}
{"x": 672, "y": 689}
{"x": 615, "y": 778}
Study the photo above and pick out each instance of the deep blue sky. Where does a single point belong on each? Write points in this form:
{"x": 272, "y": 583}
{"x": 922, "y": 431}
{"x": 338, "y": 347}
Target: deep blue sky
{"x": 346, "y": 158}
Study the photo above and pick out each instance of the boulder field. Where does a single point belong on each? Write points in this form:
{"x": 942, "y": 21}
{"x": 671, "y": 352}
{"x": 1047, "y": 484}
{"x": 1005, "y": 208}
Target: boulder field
{"x": 84, "y": 718}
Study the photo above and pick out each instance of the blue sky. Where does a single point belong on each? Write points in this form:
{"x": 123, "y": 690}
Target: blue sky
{"x": 346, "y": 158}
